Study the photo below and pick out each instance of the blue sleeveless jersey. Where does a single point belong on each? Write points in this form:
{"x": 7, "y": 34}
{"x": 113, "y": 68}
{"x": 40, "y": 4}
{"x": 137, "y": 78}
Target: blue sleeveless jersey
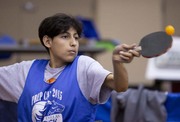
{"x": 60, "y": 101}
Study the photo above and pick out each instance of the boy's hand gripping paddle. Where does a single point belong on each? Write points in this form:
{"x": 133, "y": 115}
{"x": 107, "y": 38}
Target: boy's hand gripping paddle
{"x": 154, "y": 44}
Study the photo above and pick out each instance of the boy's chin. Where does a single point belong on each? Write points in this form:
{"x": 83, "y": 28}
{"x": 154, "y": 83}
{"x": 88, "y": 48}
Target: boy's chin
{"x": 70, "y": 59}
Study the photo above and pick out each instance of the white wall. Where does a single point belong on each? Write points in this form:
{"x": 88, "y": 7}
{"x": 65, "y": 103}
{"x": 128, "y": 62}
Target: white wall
{"x": 20, "y": 23}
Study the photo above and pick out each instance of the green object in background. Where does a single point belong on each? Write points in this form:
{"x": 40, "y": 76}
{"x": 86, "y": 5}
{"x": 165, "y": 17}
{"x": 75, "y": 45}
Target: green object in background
{"x": 105, "y": 44}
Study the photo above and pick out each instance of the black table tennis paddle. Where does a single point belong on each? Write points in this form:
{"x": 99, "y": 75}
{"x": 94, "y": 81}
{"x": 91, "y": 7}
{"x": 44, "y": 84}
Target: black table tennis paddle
{"x": 154, "y": 44}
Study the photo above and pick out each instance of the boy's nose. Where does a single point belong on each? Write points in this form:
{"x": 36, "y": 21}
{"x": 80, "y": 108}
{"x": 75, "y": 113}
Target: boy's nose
{"x": 73, "y": 42}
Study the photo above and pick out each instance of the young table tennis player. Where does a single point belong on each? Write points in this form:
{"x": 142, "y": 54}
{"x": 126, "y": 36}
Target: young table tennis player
{"x": 66, "y": 87}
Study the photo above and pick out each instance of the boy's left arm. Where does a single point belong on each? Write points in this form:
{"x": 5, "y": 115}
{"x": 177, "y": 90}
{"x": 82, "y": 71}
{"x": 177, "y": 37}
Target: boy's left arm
{"x": 118, "y": 81}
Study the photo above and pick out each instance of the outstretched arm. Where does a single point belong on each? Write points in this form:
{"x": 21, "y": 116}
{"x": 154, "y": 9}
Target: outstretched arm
{"x": 123, "y": 53}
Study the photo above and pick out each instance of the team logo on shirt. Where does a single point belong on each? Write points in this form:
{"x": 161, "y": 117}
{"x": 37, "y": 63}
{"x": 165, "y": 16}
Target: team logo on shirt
{"x": 47, "y": 111}
{"x": 51, "y": 80}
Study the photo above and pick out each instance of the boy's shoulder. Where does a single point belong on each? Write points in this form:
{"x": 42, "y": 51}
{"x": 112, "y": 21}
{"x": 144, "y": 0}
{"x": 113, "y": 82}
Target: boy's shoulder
{"x": 84, "y": 62}
{"x": 86, "y": 58}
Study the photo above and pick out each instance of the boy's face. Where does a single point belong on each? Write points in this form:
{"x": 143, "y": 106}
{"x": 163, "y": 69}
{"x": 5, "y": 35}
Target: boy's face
{"x": 63, "y": 48}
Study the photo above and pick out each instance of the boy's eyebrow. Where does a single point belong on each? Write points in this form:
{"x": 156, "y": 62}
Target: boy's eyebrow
{"x": 64, "y": 32}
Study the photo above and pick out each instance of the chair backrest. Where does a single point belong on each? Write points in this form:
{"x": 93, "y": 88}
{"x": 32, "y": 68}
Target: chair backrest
{"x": 6, "y": 40}
{"x": 103, "y": 112}
{"x": 89, "y": 29}
{"x": 173, "y": 107}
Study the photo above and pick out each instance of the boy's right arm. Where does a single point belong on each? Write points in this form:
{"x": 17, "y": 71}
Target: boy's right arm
{"x": 12, "y": 80}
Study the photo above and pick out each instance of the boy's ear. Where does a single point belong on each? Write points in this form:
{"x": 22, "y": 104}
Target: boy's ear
{"x": 47, "y": 41}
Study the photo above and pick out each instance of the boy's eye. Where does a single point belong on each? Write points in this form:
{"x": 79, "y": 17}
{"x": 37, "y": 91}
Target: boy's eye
{"x": 64, "y": 36}
{"x": 76, "y": 38}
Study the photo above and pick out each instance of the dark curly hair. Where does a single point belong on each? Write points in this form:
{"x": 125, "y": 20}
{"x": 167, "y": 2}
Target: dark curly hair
{"x": 58, "y": 24}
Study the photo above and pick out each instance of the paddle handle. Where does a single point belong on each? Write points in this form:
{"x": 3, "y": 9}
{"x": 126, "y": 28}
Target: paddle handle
{"x": 138, "y": 48}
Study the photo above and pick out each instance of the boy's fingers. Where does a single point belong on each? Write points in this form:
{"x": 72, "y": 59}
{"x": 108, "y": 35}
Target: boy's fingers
{"x": 126, "y": 47}
{"x": 135, "y": 53}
